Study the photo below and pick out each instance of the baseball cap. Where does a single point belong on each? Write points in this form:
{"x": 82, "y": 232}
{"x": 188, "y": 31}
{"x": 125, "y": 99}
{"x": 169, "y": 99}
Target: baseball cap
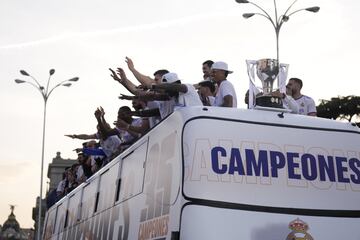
{"x": 221, "y": 66}
{"x": 170, "y": 77}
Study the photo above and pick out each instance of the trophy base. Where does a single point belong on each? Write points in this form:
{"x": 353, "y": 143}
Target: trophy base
{"x": 269, "y": 101}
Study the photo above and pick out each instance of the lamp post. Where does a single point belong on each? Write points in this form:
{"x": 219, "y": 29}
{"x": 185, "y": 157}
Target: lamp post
{"x": 45, "y": 93}
{"x": 276, "y": 22}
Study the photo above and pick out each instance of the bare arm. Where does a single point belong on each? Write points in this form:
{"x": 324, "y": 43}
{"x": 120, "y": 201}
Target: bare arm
{"x": 143, "y": 79}
{"x": 176, "y": 87}
{"x": 82, "y": 136}
{"x": 228, "y": 101}
{"x": 146, "y": 96}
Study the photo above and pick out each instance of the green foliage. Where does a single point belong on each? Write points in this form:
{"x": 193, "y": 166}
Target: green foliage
{"x": 340, "y": 108}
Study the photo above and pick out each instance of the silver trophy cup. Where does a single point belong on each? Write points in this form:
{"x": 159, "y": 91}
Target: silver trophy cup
{"x": 266, "y": 71}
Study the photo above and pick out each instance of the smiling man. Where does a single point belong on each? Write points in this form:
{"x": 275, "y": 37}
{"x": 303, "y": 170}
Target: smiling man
{"x": 225, "y": 95}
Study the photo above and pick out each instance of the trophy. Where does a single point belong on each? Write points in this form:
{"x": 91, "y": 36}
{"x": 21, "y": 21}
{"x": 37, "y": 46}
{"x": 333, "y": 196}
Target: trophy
{"x": 267, "y": 71}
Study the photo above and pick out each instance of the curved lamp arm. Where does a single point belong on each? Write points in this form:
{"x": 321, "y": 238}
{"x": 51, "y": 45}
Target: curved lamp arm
{"x": 267, "y": 15}
{"x": 39, "y": 88}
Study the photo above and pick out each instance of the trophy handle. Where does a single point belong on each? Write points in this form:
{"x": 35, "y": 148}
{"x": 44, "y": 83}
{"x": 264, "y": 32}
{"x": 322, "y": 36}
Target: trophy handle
{"x": 283, "y": 73}
{"x": 251, "y": 64}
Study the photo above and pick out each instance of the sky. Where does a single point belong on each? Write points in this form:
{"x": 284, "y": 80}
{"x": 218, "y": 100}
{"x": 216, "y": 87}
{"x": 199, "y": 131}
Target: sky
{"x": 84, "y": 38}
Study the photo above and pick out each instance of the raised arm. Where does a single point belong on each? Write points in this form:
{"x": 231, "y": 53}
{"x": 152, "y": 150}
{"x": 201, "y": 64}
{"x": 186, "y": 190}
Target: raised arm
{"x": 143, "y": 79}
{"x": 103, "y": 126}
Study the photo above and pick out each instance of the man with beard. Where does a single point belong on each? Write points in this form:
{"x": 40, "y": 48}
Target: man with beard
{"x": 306, "y": 104}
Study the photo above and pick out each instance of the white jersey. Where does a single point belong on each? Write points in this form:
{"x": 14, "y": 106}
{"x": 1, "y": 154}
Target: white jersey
{"x": 225, "y": 88}
{"x": 190, "y": 98}
{"x": 306, "y": 105}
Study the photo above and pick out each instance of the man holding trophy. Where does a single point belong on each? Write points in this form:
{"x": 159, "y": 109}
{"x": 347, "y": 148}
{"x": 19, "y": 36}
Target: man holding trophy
{"x": 266, "y": 71}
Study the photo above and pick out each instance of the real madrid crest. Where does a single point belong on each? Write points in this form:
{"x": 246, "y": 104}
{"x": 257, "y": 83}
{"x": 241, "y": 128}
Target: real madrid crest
{"x": 299, "y": 230}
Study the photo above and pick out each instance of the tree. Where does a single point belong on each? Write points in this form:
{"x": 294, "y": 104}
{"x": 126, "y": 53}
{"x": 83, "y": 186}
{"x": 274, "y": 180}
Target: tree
{"x": 340, "y": 108}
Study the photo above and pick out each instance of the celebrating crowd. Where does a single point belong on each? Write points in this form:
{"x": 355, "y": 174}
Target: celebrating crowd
{"x": 152, "y": 100}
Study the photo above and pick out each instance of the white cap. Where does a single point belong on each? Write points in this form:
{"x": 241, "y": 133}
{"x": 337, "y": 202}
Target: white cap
{"x": 170, "y": 77}
{"x": 221, "y": 66}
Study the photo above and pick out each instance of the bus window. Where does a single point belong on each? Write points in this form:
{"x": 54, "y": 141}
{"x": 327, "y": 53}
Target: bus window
{"x": 60, "y": 217}
{"x": 74, "y": 203}
{"x": 89, "y": 199}
{"x": 132, "y": 172}
{"x": 107, "y": 188}
{"x": 50, "y": 222}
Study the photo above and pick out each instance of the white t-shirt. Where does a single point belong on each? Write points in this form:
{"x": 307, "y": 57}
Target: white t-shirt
{"x": 225, "y": 88}
{"x": 79, "y": 173}
{"x": 61, "y": 186}
{"x": 190, "y": 98}
{"x": 211, "y": 100}
{"x": 306, "y": 105}
{"x": 110, "y": 145}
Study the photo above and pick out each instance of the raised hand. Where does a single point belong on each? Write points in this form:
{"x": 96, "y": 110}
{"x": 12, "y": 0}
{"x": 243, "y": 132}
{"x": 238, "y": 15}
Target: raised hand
{"x": 98, "y": 113}
{"x": 102, "y": 111}
{"x": 122, "y": 74}
{"x": 115, "y": 76}
{"x": 129, "y": 63}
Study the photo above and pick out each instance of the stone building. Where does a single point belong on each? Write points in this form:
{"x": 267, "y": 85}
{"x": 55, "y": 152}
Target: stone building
{"x": 11, "y": 230}
{"x": 55, "y": 171}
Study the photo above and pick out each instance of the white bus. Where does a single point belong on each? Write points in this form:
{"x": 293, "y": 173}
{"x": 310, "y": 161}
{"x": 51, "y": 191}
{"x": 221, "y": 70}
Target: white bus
{"x": 221, "y": 173}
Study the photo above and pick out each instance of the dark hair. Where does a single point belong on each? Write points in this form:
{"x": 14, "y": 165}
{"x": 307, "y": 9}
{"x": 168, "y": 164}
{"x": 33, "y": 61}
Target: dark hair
{"x": 209, "y": 63}
{"x": 125, "y": 109}
{"x": 226, "y": 73}
{"x": 298, "y": 81}
{"x": 161, "y": 72}
{"x": 208, "y": 84}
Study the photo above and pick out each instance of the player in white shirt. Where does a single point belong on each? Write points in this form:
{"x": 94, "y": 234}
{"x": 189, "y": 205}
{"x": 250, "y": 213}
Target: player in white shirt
{"x": 306, "y": 104}
{"x": 183, "y": 95}
{"x": 225, "y": 95}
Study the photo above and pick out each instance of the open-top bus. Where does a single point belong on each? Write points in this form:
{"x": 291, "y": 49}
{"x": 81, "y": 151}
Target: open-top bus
{"x": 221, "y": 173}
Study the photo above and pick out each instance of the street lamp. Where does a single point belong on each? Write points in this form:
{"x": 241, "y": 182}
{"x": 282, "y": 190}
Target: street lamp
{"x": 277, "y": 22}
{"x": 45, "y": 93}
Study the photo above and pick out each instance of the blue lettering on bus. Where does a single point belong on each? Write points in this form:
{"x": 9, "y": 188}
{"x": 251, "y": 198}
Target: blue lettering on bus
{"x": 326, "y": 168}
{"x": 215, "y": 160}
{"x": 277, "y": 162}
{"x": 341, "y": 169}
{"x": 298, "y": 165}
{"x": 292, "y": 165}
{"x": 236, "y": 164}
{"x": 259, "y": 165}
{"x": 354, "y": 165}
{"x": 308, "y": 163}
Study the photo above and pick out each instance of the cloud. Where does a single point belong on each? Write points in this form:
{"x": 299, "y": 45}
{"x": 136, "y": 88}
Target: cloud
{"x": 150, "y": 26}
